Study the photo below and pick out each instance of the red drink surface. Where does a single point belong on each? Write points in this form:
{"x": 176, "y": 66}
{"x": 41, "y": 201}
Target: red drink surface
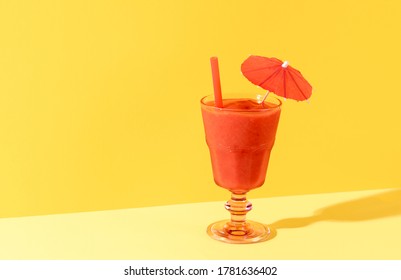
{"x": 240, "y": 137}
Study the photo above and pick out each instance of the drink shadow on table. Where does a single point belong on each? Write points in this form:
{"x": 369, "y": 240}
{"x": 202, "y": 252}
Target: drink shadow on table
{"x": 372, "y": 207}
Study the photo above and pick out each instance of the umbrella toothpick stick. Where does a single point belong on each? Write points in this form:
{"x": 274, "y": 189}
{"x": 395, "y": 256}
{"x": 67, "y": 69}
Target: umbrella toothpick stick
{"x": 259, "y": 98}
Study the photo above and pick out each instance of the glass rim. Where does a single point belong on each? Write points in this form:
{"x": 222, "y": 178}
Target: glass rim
{"x": 277, "y": 106}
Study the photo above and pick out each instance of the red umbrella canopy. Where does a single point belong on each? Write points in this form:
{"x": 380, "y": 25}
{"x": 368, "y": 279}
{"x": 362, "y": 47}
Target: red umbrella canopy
{"x": 274, "y": 75}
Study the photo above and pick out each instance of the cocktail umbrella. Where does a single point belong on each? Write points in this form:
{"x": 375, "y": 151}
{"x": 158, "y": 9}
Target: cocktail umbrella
{"x": 276, "y": 76}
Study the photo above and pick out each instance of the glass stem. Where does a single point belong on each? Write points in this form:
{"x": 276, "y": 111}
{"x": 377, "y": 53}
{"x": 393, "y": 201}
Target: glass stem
{"x": 238, "y": 207}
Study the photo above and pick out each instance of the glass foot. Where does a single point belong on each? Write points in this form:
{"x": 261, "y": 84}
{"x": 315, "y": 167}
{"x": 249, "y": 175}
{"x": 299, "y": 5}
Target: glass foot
{"x": 230, "y": 232}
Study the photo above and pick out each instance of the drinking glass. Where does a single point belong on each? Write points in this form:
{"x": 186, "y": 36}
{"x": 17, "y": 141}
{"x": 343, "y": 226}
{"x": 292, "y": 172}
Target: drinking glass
{"x": 240, "y": 137}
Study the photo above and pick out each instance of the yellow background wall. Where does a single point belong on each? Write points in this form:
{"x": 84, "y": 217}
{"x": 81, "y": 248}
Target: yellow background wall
{"x": 99, "y": 100}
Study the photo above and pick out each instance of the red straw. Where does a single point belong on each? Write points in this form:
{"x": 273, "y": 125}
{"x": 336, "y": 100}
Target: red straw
{"x": 218, "y": 99}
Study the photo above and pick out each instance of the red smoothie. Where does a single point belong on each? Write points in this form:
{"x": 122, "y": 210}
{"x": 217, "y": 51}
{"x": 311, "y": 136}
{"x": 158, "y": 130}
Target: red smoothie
{"x": 240, "y": 137}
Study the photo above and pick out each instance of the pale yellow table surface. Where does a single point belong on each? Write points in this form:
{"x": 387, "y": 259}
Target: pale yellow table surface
{"x": 347, "y": 225}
